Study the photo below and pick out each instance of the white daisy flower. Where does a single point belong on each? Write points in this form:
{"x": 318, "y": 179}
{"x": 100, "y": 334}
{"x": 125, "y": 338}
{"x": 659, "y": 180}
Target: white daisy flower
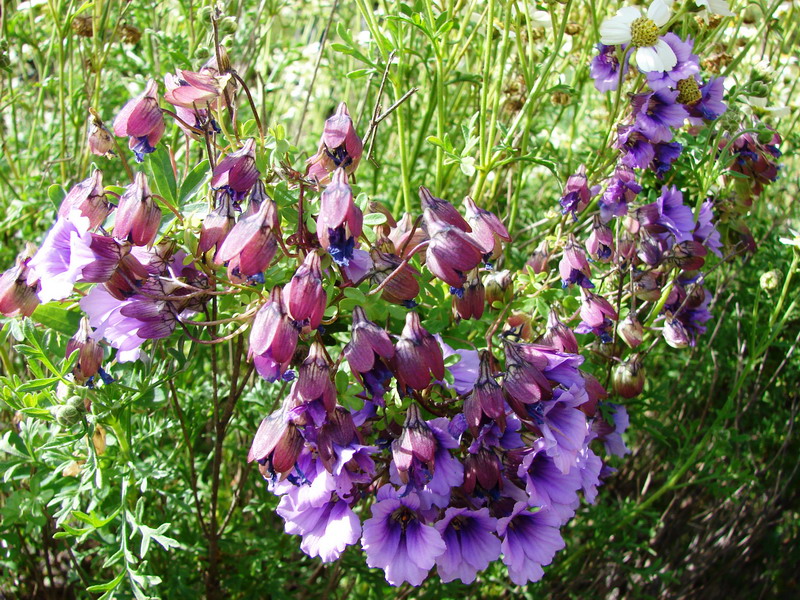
{"x": 629, "y": 26}
{"x": 718, "y": 7}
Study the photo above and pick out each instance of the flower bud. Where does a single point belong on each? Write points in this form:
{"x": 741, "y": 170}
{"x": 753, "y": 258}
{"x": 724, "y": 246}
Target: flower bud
{"x": 67, "y": 415}
{"x": 366, "y": 341}
{"x": 416, "y": 441}
{"x": 451, "y": 252}
{"x": 689, "y": 255}
{"x": 628, "y": 377}
{"x": 487, "y": 229}
{"x": 402, "y": 237}
{"x": 573, "y": 267}
{"x": 237, "y": 172}
{"x": 499, "y": 287}
{"x": 141, "y": 120}
{"x": 314, "y": 378}
{"x": 646, "y": 286}
{"x": 631, "y": 330}
{"x": 483, "y": 468}
{"x": 486, "y": 398}
{"x": 418, "y": 355}
{"x": 558, "y": 335}
{"x": 595, "y": 309}
{"x": 138, "y": 216}
{"x": 252, "y": 242}
{"x": 88, "y": 197}
{"x": 274, "y": 335}
{"x": 538, "y": 261}
{"x": 675, "y": 333}
{"x": 340, "y": 147}
{"x": 304, "y": 295}
{"x": 576, "y": 192}
{"x": 442, "y": 209}
{"x": 90, "y": 353}
{"x": 340, "y": 221}
{"x": 217, "y": 224}
{"x": 524, "y": 380}
{"x": 99, "y": 138}
{"x": 277, "y": 443}
{"x": 771, "y": 280}
{"x": 600, "y": 244}
{"x": 470, "y": 303}
{"x": 403, "y": 287}
{"x": 17, "y": 296}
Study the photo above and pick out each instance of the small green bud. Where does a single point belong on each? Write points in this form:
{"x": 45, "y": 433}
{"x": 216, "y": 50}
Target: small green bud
{"x": 228, "y": 25}
{"x": 76, "y": 402}
{"x": 771, "y": 280}
{"x": 731, "y": 120}
{"x": 67, "y": 415}
{"x": 759, "y": 89}
{"x": 765, "y": 136}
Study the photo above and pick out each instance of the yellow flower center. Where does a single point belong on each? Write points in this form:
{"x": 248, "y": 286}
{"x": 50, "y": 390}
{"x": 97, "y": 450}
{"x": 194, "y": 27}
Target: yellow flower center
{"x": 688, "y": 91}
{"x": 644, "y": 32}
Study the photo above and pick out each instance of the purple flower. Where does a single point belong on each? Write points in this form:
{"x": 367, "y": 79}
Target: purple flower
{"x": 709, "y": 106}
{"x": 138, "y": 216}
{"x": 688, "y": 64}
{"x": 563, "y": 426}
{"x": 396, "y": 540}
{"x": 451, "y": 252}
{"x": 547, "y": 485}
{"x": 471, "y": 543}
{"x": 656, "y": 112}
{"x": 89, "y": 198}
{"x": 278, "y": 443}
{"x": 327, "y": 530}
{"x": 273, "y": 337}
{"x": 574, "y": 267}
{"x": 530, "y": 541}
{"x": 705, "y": 230}
{"x": 217, "y": 224}
{"x": 665, "y": 153}
{"x": 486, "y": 398}
{"x": 17, "y": 295}
{"x": 65, "y": 252}
{"x": 610, "y": 433}
{"x": 487, "y": 229}
{"x": 251, "y": 244}
{"x": 340, "y": 146}
{"x": 304, "y": 295}
{"x": 442, "y": 210}
{"x": 668, "y": 214}
{"x": 605, "y": 68}
{"x": 637, "y": 151}
{"x": 368, "y": 341}
{"x": 622, "y": 188}
{"x": 577, "y": 193}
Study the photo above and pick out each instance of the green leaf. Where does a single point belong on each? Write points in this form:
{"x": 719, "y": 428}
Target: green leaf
{"x": 194, "y": 179}
{"x": 107, "y": 587}
{"x": 373, "y": 219}
{"x": 163, "y": 178}
{"x": 59, "y": 319}
{"x": 56, "y": 195}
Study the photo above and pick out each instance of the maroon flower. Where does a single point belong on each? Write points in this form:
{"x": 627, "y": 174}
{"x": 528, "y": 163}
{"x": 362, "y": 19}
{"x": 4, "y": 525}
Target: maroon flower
{"x": 138, "y": 216}
{"x": 366, "y": 341}
{"x": 90, "y": 353}
{"x": 487, "y": 229}
{"x": 445, "y": 211}
{"x": 88, "y": 197}
{"x": 141, "y": 120}
{"x": 304, "y": 295}
{"x": 340, "y": 147}
{"x": 486, "y": 398}
{"x": 17, "y": 296}
{"x": 252, "y": 242}
{"x": 417, "y": 355}
{"x": 451, "y": 252}
{"x": 237, "y": 172}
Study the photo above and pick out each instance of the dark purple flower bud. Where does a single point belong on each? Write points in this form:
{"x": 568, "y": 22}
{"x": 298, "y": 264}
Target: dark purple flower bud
{"x": 128, "y": 276}
{"x": 574, "y": 267}
{"x": 416, "y": 441}
{"x": 17, "y": 296}
{"x": 631, "y": 330}
{"x": 417, "y": 355}
{"x": 443, "y": 210}
{"x": 273, "y": 331}
{"x": 403, "y": 287}
{"x": 451, "y": 252}
{"x": 538, "y": 261}
{"x": 525, "y": 381}
{"x": 340, "y": 147}
{"x": 141, "y": 120}
{"x": 252, "y": 242}
{"x": 628, "y": 377}
{"x": 558, "y": 335}
{"x": 366, "y": 340}
{"x": 339, "y": 429}
{"x": 577, "y": 193}
{"x": 138, "y": 216}
{"x": 675, "y": 334}
{"x": 595, "y": 391}
{"x": 217, "y": 224}
{"x": 486, "y": 398}
{"x": 487, "y": 229}
{"x": 484, "y": 469}
{"x": 689, "y": 255}
{"x": 277, "y": 443}
{"x": 595, "y": 309}
{"x": 89, "y": 198}
{"x": 600, "y": 244}
{"x": 304, "y": 295}
{"x": 314, "y": 378}
{"x": 237, "y": 172}
{"x": 404, "y": 239}
{"x": 90, "y": 353}
{"x": 340, "y": 221}
{"x": 472, "y": 300}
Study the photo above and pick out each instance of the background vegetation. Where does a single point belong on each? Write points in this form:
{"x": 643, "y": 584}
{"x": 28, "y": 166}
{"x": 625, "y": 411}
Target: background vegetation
{"x": 160, "y": 502}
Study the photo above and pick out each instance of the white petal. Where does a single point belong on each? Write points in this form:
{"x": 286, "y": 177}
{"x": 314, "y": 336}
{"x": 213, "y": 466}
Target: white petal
{"x": 720, "y": 7}
{"x": 647, "y": 59}
{"x": 666, "y": 55}
{"x": 659, "y": 12}
{"x": 628, "y": 14}
{"x": 613, "y": 33}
